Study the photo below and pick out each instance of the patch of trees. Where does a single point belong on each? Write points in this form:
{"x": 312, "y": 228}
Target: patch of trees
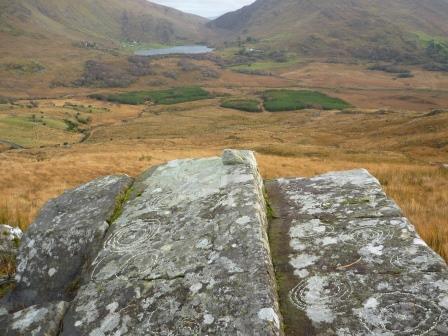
{"x": 100, "y": 74}
{"x": 209, "y": 73}
{"x": 437, "y": 51}
{"x": 436, "y": 67}
{"x": 24, "y": 68}
{"x": 140, "y": 66}
{"x": 386, "y": 54}
{"x": 250, "y": 55}
{"x": 254, "y": 72}
{"x": 185, "y": 65}
{"x": 393, "y": 69}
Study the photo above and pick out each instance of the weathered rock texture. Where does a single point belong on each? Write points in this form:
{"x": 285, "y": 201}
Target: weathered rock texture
{"x": 67, "y": 233}
{"x": 39, "y": 320}
{"x": 188, "y": 256}
{"x": 187, "y": 253}
{"x": 350, "y": 264}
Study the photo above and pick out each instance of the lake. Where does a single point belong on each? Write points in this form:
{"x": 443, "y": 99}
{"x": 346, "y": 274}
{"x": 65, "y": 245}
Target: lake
{"x": 188, "y": 49}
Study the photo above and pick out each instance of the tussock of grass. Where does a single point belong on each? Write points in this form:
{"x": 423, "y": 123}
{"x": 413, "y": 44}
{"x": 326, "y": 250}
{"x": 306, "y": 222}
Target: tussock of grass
{"x": 164, "y": 97}
{"x": 7, "y": 270}
{"x": 290, "y": 100}
{"x": 14, "y": 213}
{"x": 119, "y": 203}
{"x": 247, "y": 105}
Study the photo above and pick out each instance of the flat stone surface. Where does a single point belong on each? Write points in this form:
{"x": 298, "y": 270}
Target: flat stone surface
{"x": 42, "y": 320}
{"x": 188, "y": 256}
{"x": 67, "y": 234}
{"x": 349, "y": 263}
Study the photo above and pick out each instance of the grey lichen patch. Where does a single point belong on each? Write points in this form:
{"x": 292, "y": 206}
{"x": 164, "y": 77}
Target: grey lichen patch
{"x": 355, "y": 265}
{"x": 38, "y": 320}
{"x": 66, "y": 234}
{"x": 187, "y": 256}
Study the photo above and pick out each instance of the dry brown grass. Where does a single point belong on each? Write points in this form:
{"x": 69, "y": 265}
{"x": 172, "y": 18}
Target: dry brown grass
{"x": 7, "y": 266}
{"x": 7, "y": 270}
{"x": 401, "y": 149}
{"x": 420, "y": 190}
{"x": 374, "y": 89}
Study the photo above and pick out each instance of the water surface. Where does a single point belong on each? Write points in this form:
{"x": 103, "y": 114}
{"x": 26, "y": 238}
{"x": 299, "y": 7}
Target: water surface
{"x": 187, "y": 49}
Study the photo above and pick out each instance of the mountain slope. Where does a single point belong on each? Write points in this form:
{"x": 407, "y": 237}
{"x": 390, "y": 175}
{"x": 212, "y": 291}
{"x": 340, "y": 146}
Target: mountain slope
{"x": 104, "y": 20}
{"x": 372, "y": 29}
{"x": 49, "y": 44}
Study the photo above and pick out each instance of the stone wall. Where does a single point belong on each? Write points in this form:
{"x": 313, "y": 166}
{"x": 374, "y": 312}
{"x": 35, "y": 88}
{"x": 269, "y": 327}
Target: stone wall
{"x": 184, "y": 250}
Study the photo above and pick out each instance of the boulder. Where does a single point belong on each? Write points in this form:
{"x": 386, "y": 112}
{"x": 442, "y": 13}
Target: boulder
{"x": 184, "y": 251}
{"x": 66, "y": 235}
{"x": 39, "y": 320}
{"x": 188, "y": 256}
{"x": 9, "y": 239}
{"x": 350, "y": 263}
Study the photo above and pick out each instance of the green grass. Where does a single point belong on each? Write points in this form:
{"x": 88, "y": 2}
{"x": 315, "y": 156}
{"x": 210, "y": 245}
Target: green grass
{"x": 119, "y": 203}
{"x": 425, "y": 38}
{"x": 29, "y": 131}
{"x": 247, "y": 105}
{"x": 164, "y": 97}
{"x": 290, "y": 100}
{"x": 27, "y": 122}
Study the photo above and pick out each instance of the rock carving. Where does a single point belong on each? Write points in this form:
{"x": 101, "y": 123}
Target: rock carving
{"x": 184, "y": 250}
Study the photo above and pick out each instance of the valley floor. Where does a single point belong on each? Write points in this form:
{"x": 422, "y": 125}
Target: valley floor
{"x": 398, "y": 130}
{"x": 403, "y": 149}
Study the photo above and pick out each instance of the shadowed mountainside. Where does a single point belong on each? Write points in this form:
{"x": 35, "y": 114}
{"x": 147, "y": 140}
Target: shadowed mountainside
{"x": 128, "y": 20}
{"x": 403, "y": 30}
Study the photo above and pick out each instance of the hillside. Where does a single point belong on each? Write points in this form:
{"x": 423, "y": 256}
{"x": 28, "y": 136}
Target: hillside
{"x": 51, "y": 41}
{"x": 111, "y": 20}
{"x": 403, "y": 30}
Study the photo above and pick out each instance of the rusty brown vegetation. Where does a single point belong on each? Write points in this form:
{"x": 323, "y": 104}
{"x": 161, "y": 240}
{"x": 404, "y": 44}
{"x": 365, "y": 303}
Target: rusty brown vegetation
{"x": 404, "y": 149}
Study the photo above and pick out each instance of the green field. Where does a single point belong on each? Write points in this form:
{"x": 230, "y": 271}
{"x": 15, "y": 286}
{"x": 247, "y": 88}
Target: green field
{"x": 291, "y": 100}
{"x": 247, "y": 105}
{"x": 35, "y": 130}
{"x": 164, "y": 97}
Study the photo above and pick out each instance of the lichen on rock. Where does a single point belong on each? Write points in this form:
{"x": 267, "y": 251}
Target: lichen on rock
{"x": 66, "y": 234}
{"x": 353, "y": 264}
{"x": 188, "y": 256}
{"x": 184, "y": 250}
{"x": 37, "y": 320}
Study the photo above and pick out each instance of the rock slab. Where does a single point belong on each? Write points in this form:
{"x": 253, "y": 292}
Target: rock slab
{"x": 350, "y": 264}
{"x": 184, "y": 251}
{"x": 38, "y": 320}
{"x": 67, "y": 233}
{"x": 188, "y": 256}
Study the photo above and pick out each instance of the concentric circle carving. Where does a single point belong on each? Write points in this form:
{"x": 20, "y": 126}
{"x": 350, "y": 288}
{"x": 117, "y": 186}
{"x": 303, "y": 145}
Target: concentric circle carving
{"x": 401, "y": 314}
{"x": 329, "y": 291}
